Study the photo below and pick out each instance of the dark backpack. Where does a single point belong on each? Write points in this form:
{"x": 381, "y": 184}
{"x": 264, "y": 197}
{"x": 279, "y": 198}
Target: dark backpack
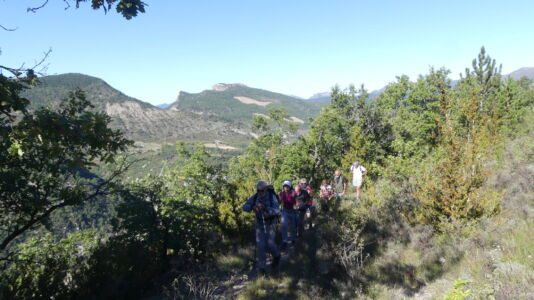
{"x": 270, "y": 190}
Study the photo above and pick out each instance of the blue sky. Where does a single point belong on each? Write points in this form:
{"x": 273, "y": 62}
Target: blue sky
{"x": 293, "y": 47}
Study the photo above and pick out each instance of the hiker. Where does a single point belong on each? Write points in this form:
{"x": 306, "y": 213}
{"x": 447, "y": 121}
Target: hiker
{"x": 305, "y": 207}
{"x": 326, "y": 195}
{"x": 288, "y": 197}
{"x": 304, "y": 185}
{"x": 265, "y": 205}
{"x": 339, "y": 184}
{"x": 358, "y": 171}
{"x": 323, "y": 191}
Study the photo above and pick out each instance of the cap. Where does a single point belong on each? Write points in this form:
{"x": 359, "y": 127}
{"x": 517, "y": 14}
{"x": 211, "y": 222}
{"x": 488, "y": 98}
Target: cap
{"x": 261, "y": 185}
{"x": 287, "y": 183}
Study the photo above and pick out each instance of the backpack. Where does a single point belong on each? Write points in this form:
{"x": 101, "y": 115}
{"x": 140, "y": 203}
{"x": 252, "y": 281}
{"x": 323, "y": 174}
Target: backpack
{"x": 270, "y": 190}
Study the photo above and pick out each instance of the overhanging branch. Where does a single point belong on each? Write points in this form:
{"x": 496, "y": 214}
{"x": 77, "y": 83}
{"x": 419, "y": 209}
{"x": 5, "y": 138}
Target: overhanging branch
{"x": 8, "y": 29}
{"x": 35, "y": 9}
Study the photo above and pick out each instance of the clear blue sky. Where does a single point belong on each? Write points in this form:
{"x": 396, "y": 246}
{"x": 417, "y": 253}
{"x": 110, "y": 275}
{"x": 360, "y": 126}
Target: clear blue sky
{"x": 293, "y": 47}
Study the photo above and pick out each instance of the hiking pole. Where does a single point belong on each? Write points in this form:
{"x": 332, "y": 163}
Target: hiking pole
{"x": 263, "y": 219}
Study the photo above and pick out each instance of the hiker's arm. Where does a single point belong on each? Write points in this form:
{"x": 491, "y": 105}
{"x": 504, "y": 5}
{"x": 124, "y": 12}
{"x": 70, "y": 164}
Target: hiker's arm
{"x": 248, "y": 205}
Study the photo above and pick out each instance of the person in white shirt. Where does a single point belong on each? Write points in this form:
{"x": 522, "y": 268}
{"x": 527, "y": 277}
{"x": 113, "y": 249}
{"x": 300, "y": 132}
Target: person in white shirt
{"x": 357, "y": 171}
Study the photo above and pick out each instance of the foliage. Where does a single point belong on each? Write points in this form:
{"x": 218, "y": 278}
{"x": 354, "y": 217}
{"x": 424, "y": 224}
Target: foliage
{"x": 47, "y": 268}
{"x": 154, "y": 211}
{"x": 459, "y": 291}
{"x": 431, "y": 149}
{"x": 127, "y": 8}
{"x": 468, "y": 135}
{"x": 44, "y": 153}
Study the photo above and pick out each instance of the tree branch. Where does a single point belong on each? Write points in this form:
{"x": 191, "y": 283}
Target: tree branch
{"x": 8, "y": 29}
{"x": 19, "y": 230}
{"x": 18, "y": 72}
{"x": 99, "y": 190}
{"x": 35, "y": 9}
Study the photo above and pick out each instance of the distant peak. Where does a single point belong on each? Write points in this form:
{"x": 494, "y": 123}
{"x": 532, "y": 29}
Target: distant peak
{"x": 525, "y": 69}
{"x": 320, "y": 95}
{"x": 224, "y": 86}
{"x": 522, "y": 72}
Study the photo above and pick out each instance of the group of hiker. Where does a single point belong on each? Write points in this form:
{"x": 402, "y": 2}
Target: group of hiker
{"x": 297, "y": 210}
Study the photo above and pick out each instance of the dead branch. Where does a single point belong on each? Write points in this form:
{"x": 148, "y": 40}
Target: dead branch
{"x": 22, "y": 70}
{"x": 35, "y": 9}
{"x": 8, "y": 29}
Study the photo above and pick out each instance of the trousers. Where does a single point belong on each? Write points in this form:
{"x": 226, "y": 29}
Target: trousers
{"x": 289, "y": 223}
{"x": 265, "y": 236}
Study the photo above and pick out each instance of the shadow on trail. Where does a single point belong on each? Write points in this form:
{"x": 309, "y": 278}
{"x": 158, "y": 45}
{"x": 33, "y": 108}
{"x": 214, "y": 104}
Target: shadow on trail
{"x": 335, "y": 260}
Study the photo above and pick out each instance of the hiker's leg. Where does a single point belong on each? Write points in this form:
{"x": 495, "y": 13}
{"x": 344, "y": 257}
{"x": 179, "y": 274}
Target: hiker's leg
{"x": 293, "y": 225}
{"x": 313, "y": 215}
{"x": 358, "y": 186}
{"x": 301, "y": 216}
{"x": 285, "y": 223}
{"x": 260, "y": 245}
{"x": 271, "y": 244}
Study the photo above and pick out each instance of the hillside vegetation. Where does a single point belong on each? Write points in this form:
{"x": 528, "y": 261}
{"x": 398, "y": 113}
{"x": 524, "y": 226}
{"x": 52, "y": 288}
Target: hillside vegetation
{"x": 139, "y": 121}
{"x": 445, "y": 212}
{"x": 238, "y": 103}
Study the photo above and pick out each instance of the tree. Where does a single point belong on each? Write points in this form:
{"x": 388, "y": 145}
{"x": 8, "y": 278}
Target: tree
{"x": 175, "y": 212}
{"x": 43, "y": 151}
{"x": 48, "y": 268}
{"x": 485, "y": 72}
{"x": 42, "y": 155}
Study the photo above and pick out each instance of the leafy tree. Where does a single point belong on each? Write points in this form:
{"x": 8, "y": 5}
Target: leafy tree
{"x": 43, "y": 153}
{"x": 178, "y": 209}
{"x": 49, "y": 268}
{"x": 263, "y": 157}
{"x": 469, "y": 132}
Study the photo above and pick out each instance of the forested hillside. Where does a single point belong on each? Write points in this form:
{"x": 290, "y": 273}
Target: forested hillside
{"x": 446, "y": 208}
{"x": 238, "y": 103}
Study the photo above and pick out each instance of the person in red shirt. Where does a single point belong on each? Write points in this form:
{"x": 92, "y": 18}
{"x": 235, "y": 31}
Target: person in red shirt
{"x": 305, "y": 207}
{"x": 305, "y": 186}
{"x": 288, "y": 197}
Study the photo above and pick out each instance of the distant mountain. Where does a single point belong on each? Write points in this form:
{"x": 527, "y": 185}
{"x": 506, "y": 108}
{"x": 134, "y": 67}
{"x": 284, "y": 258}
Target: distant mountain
{"x": 324, "y": 97}
{"x": 297, "y": 97}
{"x": 140, "y": 121}
{"x": 163, "y": 105}
{"x": 376, "y": 93}
{"x": 320, "y": 97}
{"x": 238, "y": 103}
{"x": 523, "y": 72}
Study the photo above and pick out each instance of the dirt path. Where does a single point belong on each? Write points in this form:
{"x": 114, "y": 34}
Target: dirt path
{"x": 297, "y": 261}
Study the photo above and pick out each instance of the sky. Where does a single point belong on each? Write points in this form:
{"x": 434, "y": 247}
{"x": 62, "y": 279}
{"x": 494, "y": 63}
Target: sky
{"x": 292, "y": 47}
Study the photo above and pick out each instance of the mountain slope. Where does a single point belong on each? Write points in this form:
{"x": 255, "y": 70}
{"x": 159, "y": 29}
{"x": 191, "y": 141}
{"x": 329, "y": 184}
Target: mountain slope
{"x": 237, "y": 103}
{"x": 522, "y": 72}
{"x": 320, "y": 97}
{"x": 139, "y": 120}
